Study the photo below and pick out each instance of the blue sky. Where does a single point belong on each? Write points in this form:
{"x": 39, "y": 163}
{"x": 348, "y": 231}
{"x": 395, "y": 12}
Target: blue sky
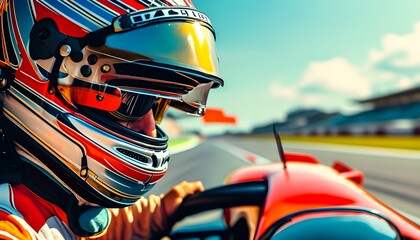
{"x": 278, "y": 55}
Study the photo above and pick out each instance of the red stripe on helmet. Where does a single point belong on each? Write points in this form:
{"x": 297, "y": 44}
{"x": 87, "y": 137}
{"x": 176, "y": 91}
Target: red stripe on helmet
{"x": 134, "y": 4}
{"x": 187, "y": 3}
{"x": 65, "y": 25}
{"x": 114, "y": 7}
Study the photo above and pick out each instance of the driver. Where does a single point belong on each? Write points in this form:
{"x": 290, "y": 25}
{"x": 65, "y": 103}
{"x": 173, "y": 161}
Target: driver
{"x": 83, "y": 85}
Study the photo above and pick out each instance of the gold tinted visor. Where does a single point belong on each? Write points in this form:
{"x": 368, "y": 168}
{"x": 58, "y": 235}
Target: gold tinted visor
{"x": 184, "y": 46}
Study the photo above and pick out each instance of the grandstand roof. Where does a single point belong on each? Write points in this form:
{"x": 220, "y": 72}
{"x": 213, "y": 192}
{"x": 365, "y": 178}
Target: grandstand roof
{"x": 409, "y": 95}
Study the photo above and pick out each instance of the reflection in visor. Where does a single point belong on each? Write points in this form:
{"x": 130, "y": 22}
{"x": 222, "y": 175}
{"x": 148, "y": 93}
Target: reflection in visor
{"x": 133, "y": 106}
{"x": 185, "y": 45}
{"x": 160, "y": 109}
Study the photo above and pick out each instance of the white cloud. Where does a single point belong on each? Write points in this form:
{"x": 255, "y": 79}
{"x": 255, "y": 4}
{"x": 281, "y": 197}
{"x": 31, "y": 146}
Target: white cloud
{"x": 416, "y": 79}
{"x": 405, "y": 83}
{"x": 393, "y": 67}
{"x": 330, "y": 85}
{"x": 399, "y": 51}
{"x": 338, "y": 76}
{"x": 396, "y": 65}
{"x": 334, "y": 84}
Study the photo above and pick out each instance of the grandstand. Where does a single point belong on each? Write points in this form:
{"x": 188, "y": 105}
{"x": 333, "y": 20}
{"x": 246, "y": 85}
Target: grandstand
{"x": 393, "y": 114}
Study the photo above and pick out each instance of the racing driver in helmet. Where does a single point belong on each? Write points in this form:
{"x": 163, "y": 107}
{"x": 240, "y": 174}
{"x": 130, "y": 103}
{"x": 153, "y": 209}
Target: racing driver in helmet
{"x": 83, "y": 85}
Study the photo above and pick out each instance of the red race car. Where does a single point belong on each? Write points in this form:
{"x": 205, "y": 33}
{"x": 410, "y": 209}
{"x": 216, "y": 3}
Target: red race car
{"x": 295, "y": 200}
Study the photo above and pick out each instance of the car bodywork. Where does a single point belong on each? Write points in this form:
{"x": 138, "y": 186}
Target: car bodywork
{"x": 303, "y": 184}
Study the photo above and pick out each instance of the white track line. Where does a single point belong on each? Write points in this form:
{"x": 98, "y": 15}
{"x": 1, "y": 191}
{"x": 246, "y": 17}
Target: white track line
{"x": 241, "y": 153}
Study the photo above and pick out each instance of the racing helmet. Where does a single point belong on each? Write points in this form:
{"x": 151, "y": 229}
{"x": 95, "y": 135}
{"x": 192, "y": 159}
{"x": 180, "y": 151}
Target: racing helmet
{"x": 85, "y": 83}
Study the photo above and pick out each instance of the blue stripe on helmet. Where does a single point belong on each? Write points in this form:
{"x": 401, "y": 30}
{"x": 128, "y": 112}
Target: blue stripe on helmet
{"x": 97, "y": 9}
{"x": 71, "y": 13}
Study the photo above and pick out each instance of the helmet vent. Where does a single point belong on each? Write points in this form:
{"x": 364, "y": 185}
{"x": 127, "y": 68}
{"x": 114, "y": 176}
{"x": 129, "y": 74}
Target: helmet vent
{"x": 133, "y": 155}
{"x": 155, "y": 160}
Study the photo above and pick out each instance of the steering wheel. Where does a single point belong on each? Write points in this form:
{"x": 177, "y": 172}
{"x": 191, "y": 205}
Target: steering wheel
{"x": 233, "y": 195}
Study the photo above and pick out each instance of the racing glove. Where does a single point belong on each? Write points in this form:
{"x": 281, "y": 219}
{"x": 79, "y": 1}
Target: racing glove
{"x": 147, "y": 216}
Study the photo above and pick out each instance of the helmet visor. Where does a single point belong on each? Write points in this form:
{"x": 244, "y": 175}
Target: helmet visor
{"x": 182, "y": 46}
{"x": 159, "y": 53}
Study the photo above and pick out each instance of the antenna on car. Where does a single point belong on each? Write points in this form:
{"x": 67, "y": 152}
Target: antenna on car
{"x": 279, "y": 146}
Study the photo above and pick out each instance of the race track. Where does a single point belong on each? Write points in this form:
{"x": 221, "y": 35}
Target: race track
{"x": 392, "y": 176}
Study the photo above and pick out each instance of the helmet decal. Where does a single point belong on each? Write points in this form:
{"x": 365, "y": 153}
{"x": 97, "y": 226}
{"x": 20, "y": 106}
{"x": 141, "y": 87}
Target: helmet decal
{"x": 161, "y": 3}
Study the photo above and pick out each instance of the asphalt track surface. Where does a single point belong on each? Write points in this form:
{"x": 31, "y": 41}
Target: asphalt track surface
{"x": 393, "y": 176}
